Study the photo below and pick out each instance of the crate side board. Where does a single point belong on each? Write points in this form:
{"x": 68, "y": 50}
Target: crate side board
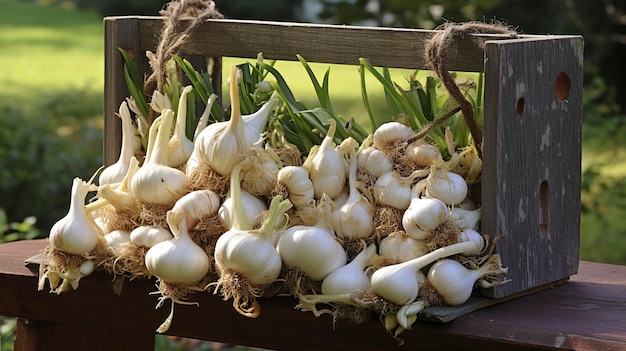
{"x": 532, "y": 155}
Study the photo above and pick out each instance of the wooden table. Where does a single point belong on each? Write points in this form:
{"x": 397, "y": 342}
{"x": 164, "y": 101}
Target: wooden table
{"x": 586, "y": 313}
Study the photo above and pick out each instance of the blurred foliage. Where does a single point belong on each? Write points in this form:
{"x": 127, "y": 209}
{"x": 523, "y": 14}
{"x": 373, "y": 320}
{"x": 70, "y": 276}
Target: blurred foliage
{"x": 42, "y": 149}
{"x": 14, "y": 231}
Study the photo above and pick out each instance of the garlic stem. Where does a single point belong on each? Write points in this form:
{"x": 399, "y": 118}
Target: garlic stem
{"x": 115, "y": 172}
{"x": 203, "y": 121}
{"x": 239, "y": 219}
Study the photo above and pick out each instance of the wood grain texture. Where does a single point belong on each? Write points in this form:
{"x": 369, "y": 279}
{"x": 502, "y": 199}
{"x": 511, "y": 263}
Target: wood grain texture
{"x": 532, "y": 157}
{"x": 586, "y": 313}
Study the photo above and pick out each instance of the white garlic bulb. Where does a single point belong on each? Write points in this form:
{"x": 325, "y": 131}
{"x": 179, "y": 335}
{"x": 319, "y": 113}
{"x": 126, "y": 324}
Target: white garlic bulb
{"x": 326, "y": 167}
{"x": 116, "y": 239}
{"x": 116, "y": 172}
{"x": 374, "y": 161}
{"x": 299, "y": 186}
{"x": 148, "y": 236}
{"x": 400, "y": 247}
{"x": 423, "y": 216}
{"x": 350, "y": 277}
{"x": 446, "y": 186}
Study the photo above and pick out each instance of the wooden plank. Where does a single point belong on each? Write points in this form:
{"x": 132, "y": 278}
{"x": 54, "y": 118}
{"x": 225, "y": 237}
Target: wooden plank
{"x": 389, "y": 47}
{"x": 121, "y": 33}
{"x": 42, "y": 336}
{"x": 586, "y": 313}
{"x": 531, "y": 164}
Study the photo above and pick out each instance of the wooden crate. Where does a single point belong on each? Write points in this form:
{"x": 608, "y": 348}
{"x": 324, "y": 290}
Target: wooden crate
{"x": 532, "y": 119}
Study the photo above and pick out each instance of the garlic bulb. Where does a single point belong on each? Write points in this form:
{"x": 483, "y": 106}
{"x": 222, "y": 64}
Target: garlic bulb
{"x": 455, "y": 283}
{"x": 374, "y": 161}
{"x": 116, "y": 172}
{"x": 448, "y": 187}
{"x": 259, "y": 172}
{"x": 222, "y": 146}
{"x": 312, "y": 249}
{"x": 180, "y": 147}
{"x": 469, "y": 234}
{"x": 354, "y": 219}
{"x": 76, "y": 233}
{"x": 299, "y": 186}
{"x": 423, "y": 154}
{"x": 391, "y": 189}
{"x": 466, "y": 218}
{"x": 423, "y": 216}
{"x": 251, "y": 253}
{"x": 148, "y": 236}
{"x": 197, "y": 205}
{"x": 399, "y": 283}
{"x": 400, "y": 247}
{"x": 387, "y": 133}
{"x": 350, "y": 277}
{"x": 119, "y": 196}
{"x": 326, "y": 167}
{"x": 253, "y": 207}
{"x": 159, "y": 102}
{"x": 178, "y": 260}
{"x": 116, "y": 239}
{"x": 155, "y": 182}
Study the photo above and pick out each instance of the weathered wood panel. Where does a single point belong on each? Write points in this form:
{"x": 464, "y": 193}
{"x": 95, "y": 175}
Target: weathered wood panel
{"x": 532, "y": 154}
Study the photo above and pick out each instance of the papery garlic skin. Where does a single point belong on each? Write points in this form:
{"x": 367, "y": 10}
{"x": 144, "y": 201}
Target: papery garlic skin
{"x": 448, "y": 187}
{"x": 400, "y": 247}
{"x": 253, "y": 207}
{"x": 350, "y": 277}
{"x": 423, "y": 153}
{"x": 326, "y": 167}
{"x": 77, "y": 232}
{"x": 396, "y": 283}
{"x": 374, "y": 161}
{"x": 393, "y": 190}
{"x": 464, "y": 218}
{"x": 387, "y": 133}
{"x": 179, "y": 260}
{"x": 197, "y": 205}
{"x": 116, "y": 239}
{"x": 312, "y": 250}
{"x": 299, "y": 186}
{"x": 423, "y": 216}
{"x": 148, "y": 236}
{"x": 155, "y": 182}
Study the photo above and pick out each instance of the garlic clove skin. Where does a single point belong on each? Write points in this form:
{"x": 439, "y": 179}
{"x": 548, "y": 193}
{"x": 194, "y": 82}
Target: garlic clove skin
{"x": 148, "y": 236}
{"x": 387, "y": 133}
{"x": 466, "y": 218}
{"x": 469, "y": 234}
{"x": 179, "y": 260}
{"x": 250, "y": 255}
{"x": 253, "y": 207}
{"x": 453, "y": 282}
{"x": 299, "y": 186}
{"x": 116, "y": 239}
{"x": 393, "y": 190}
{"x": 448, "y": 187}
{"x": 197, "y": 205}
{"x": 396, "y": 283}
{"x": 350, "y": 277}
{"x": 401, "y": 247}
{"x": 311, "y": 249}
{"x": 423, "y": 153}
{"x": 423, "y": 216}
{"x": 77, "y": 232}
{"x": 326, "y": 167}
{"x": 374, "y": 161}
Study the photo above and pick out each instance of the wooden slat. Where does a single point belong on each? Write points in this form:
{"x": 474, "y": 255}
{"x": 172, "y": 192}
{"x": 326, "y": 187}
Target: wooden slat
{"x": 389, "y": 47}
{"x": 531, "y": 164}
{"x": 586, "y": 313}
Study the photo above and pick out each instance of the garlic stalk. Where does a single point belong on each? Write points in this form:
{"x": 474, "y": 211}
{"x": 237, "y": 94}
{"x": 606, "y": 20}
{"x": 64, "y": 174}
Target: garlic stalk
{"x": 314, "y": 250}
{"x": 350, "y": 277}
{"x": 155, "y": 182}
{"x": 252, "y": 207}
{"x": 119, "y": 196}
{"x": 399, "y": 283}
{"x": 455, "y": 283}
{"x": 423, "y": 216}
{"x": 400, "y": 247}
{"x": 407, "y": 314}
{"x": 180, "y": 147}
{"x": 354, "y": 219}
{"x": 299, "y": 186}
{"x": 116, "y": 172}
{"x": 178, "y": 260}
{"x": 76, "y": 233}
{"x": 391, "y": 189}
{"x": 326, "y": 167}
{"x": 222, "y": 146}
